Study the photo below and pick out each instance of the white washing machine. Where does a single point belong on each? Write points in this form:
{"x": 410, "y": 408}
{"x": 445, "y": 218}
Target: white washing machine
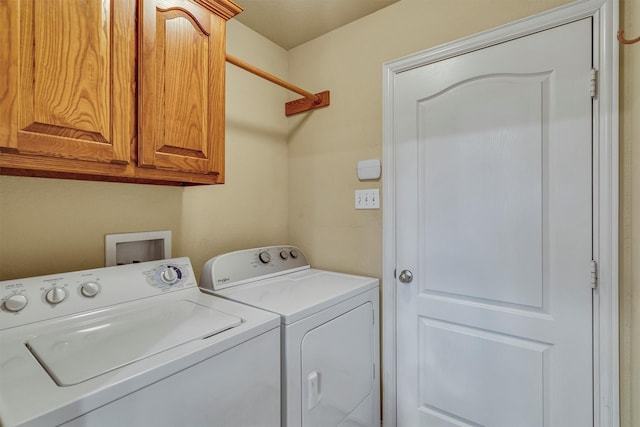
{"x": 134, "y": 345}
{"x": 330, "y": 335}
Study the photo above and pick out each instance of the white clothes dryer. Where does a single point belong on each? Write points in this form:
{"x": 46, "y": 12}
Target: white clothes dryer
{"x": 330, "y": 332}
{"x": 134, "y": 345}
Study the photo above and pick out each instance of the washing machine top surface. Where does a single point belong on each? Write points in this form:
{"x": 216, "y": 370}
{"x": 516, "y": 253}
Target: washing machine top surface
{"x": 265, "y": 278}
{"x": 75, "y": 352}
{"x": 82, "y": 339}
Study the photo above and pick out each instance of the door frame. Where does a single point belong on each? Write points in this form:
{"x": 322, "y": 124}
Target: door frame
{"x": 605, "y": 192}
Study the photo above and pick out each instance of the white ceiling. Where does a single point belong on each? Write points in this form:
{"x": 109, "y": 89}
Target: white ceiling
{"x": 290, "y": 23}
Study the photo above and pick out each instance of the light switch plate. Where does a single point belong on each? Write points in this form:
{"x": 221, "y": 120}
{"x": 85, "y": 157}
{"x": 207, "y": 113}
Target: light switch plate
{"x": 368, "y": 199}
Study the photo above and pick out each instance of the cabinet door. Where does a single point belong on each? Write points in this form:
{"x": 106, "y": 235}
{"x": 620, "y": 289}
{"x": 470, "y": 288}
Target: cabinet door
{"x": 67, "y": 79}
{"x": 181, "y": 106}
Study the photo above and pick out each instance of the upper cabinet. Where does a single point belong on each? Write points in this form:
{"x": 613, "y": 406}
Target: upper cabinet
{"x": 67, "y": 79}
{"x": 181, "y": 86}
{"x": 76, "y": 101}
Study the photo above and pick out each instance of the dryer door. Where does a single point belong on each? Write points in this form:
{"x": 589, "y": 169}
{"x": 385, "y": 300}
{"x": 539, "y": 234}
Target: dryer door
{"x": 338, "y": 370}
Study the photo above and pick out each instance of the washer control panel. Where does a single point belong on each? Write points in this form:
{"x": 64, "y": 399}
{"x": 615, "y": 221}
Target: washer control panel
{"x": 34, "y": 299}
{"x": 168, "y": 276}
{"x": 237, "y": 268}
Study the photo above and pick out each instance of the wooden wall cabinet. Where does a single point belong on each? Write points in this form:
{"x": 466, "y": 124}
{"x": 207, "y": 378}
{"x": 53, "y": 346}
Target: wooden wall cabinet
{"x": 86, "y": 94}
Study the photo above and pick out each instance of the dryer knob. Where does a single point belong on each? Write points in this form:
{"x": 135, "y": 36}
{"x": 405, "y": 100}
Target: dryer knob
{"x": 284, "y": 254}
{"x": 56, "y": 295}
{"x": 90, "y": 289}
{"x": 15, "y": 303}
{"x": 264, "y": 256}
{"x": 294, "y": 253}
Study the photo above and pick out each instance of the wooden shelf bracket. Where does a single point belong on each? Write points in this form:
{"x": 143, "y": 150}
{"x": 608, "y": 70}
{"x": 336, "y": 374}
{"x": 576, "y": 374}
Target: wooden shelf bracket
{"x": 311, "y": 101}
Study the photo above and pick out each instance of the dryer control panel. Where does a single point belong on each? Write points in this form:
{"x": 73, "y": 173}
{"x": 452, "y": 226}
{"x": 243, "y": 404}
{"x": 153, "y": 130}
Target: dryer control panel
{"x": 249, "y": 265}
{"x": 34, "y": 299}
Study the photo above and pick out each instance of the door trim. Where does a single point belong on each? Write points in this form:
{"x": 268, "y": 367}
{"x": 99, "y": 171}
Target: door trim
{"x": 605, "y": 193}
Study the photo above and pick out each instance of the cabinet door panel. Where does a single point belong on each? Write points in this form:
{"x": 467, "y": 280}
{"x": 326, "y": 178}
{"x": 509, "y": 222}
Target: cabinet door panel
{"x": 184, "y": 59}
{"x": 182, "y": 88}
{"x": 73, "y": 79}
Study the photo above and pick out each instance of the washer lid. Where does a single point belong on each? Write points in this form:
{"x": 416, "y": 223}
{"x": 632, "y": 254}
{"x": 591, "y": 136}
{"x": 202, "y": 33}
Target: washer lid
{"x": 298, "y": 295}
{"x": 83, "y": 349}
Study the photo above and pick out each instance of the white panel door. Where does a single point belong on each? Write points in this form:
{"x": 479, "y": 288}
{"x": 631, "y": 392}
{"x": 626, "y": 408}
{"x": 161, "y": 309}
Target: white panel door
{"x": 494, "y": 214}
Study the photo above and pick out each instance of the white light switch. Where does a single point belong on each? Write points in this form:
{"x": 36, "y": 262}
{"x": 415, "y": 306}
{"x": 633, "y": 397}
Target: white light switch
{"x": 368, "y": 199}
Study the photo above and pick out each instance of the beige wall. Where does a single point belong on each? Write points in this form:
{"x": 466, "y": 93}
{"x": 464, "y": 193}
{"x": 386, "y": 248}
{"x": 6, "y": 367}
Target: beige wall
{"x": 324, "y": 146}
{"x": 630, "y": 217}
{"x": 50, "y": 225}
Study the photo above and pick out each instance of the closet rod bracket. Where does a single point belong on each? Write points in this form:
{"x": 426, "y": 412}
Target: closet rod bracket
{"x": 305, "y": 104}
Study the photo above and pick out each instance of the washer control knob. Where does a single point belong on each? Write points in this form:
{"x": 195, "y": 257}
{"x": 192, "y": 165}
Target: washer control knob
{"x": 264, "y": 256}
{"x": 284, "y": 254}
{"x": 15, "y": 303}
{"x": 294, "y": 253}
{"x": 170, "y": 275}
{"x": 55, "y": 295}
{"x": 90, "y": 289}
